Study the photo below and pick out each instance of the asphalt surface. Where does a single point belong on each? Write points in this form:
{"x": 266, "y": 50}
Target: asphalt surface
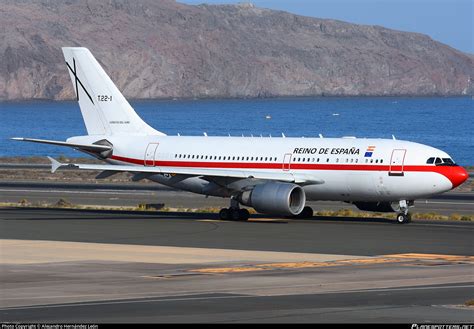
{"x": 133, "y": 194}
{"x": 84, "y": 266}
{"x": 401, "y": 305}
{"x": 345, "y": 236}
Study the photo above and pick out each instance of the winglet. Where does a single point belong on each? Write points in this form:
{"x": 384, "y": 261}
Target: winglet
{"x": 55, "y": 165}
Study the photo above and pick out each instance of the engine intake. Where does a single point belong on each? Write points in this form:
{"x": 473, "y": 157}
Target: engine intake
{"x": 275, "y": 198}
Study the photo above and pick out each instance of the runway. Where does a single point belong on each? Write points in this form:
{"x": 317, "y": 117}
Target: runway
{"x": 133, "y": 194}
{"x": 116, "y": 266}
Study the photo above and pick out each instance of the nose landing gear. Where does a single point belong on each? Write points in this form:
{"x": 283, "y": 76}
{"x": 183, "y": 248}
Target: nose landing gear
{"x": 403, "y": 217}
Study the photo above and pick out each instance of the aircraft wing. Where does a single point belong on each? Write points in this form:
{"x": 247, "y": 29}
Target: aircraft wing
{"x": 207, "y": 172}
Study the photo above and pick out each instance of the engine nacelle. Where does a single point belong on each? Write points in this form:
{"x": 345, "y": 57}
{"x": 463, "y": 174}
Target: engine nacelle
{"x": 375, "y": 206}
{"x": 275, "y": 198}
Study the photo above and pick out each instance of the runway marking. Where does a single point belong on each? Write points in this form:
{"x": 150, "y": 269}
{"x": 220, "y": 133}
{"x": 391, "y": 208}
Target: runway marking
{"x": 220, "y": 270}
{"x": 451, "y": 203}
{"x": 251, "y": 220}
{"x": 384, "y": 259}
{"x": 297, "y": 265}
{"x": 120, "y": 192}
{"x": 449, "y": 258}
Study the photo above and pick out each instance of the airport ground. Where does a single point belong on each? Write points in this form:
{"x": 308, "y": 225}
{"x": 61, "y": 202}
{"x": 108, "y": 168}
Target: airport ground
{"x": 111, "y": 266}
{"x": 75, "y": 265}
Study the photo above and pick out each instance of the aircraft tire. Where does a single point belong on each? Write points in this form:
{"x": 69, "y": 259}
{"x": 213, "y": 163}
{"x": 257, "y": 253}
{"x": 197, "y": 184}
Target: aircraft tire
{"x": 307, "y": 212}
{"x": 403, "y": 219}
{"x": 224, "y": 214}
{"x": 234, "y": 214}
{"x": 244, "y": 214}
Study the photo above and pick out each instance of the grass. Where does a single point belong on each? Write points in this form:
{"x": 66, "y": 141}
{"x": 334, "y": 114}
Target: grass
{"x": 416, "y": 215}
{"x": 469, "y": 302}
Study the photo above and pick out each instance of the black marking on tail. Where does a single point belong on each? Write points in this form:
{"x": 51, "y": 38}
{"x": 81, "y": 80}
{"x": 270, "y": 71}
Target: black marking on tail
{"x": 77, "y": 80}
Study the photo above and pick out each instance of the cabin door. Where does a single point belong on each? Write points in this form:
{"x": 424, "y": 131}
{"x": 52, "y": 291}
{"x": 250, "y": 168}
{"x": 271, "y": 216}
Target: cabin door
{"x": 287, "y": 162}
{"x": 150, "y": 154}
{"x": 396, "y": 162}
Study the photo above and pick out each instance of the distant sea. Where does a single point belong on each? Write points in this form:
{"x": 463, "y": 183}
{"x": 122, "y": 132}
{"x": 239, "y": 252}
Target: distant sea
{"x": 445, "y": 123}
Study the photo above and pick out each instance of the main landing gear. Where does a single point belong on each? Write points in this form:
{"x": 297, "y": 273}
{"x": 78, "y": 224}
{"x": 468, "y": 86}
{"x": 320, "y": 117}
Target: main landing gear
{"x": 234, "y": 212}
{"x": 307, "y": 212}
{"x": 403, "y": 217}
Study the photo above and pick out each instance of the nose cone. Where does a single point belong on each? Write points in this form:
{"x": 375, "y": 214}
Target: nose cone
{"x": 457, "y": 175}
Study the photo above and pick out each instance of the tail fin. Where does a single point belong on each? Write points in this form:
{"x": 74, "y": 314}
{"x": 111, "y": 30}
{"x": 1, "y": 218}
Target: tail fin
{"x": 104, "y": 109}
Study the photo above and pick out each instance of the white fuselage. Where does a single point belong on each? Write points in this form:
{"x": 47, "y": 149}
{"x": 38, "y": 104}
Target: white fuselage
{"x": 352, "y": 169}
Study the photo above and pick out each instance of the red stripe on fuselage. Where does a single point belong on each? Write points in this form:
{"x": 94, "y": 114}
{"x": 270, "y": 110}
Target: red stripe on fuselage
{"x": 278, "y": 165}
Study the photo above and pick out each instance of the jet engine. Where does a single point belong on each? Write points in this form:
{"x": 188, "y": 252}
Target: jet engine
{"x": 375, "y": 206}
{"x": 275, "y": 198}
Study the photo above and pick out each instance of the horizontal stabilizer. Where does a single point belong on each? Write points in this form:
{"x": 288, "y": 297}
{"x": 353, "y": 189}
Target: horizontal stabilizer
{"x": 83, "y": 147}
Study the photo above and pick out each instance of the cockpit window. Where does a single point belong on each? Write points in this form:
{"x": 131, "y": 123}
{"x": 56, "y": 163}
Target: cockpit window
{"x": 448, "y": 161}
{"x": 441, "y": 161}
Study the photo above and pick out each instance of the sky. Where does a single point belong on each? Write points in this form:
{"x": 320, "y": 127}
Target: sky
{"x": 447, "y": 21}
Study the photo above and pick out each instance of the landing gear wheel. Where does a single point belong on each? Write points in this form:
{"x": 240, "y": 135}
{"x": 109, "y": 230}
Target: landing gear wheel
{"x": 234, "y": 214}
{"x": 224, "y": 214}
{"x": 244, "y": 214}
{"x": 307, "y": 212}
{"x": 403, "y": 218}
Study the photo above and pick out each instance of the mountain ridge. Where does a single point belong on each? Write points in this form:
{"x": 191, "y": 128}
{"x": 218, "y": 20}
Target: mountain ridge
{"x": 166, "y": 49}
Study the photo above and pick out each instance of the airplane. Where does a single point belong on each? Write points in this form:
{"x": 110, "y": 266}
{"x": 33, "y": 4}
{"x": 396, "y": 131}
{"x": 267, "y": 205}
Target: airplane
{"x": 275, "y": 176}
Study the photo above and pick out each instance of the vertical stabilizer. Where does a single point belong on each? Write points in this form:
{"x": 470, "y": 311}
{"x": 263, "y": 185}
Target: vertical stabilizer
{"x": 104, "y": 109}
